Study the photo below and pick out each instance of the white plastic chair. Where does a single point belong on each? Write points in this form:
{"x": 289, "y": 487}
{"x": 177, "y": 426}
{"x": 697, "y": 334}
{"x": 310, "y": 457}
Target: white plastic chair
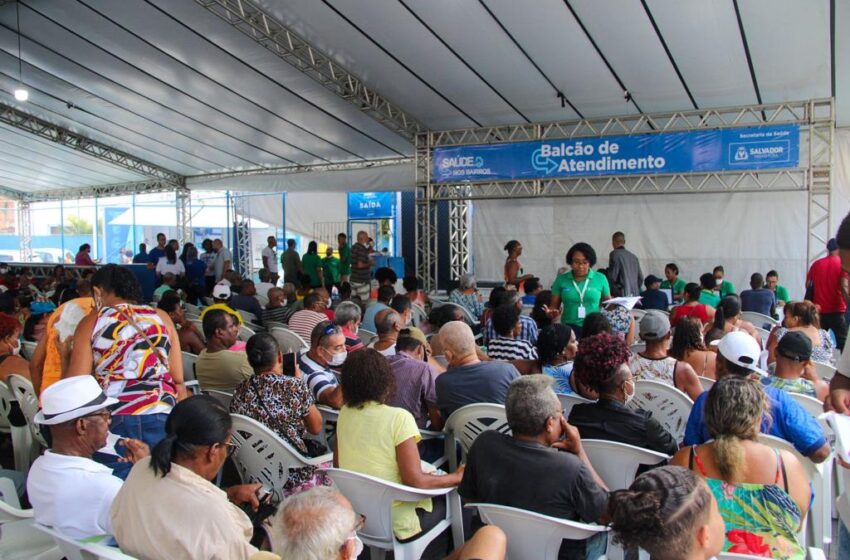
{"x": 819, "y": 520}
{"x": 638, "y": 314}
{"x": 374, "y": 497}
{"x": 365, "y": 336}
{"x": 418, "y": 315}
{"x": 812, "y": 405}
{"x": 568, "y": 401}
{"x": 223, "y": 397}
{"x": 330, "y": 417}
{"x": 759, "y": 320}
{"x": 192, "y": 308}
{"x": 534, "y": 535}
{"x": 763, "y": 333}
{"x": 275, "y": 325}
{"x": 247, "y": 316}
{"x": 263, "y": 456}
{"x": 467, "y": 316}
{"x": 617, "y": 463}
{"x": 22, "y": 446}
{"x": 263, "y": 300}
{"x": 442, "y": 360}
{"x": 189, "y": 377}
{"x": 19, "y": 540}
{"x": 77, "y": 550}
{"x": 28, "y": 349}
{"x": 289, "y": 341}
{"x": 668, "y": 405}
{"x": 467, "y": 423}
{"x": 25, "y": 395}
{"x": 824, "y": 371}
{"x": 706, "y": 383}
{"x": 638, "y": 347}
{"x": 244, "y": 333}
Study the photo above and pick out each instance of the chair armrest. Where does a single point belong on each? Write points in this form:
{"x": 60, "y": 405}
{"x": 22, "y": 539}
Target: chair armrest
{"x": 429, "y": 434}
{"x": 401, "y": 492}
{"x": 321, "y": 459}
{"x": 816, "y": 554}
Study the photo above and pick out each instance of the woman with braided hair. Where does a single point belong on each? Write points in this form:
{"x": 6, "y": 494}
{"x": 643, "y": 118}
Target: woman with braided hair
{"x": 688, "y": 346}
{"x": 670, "y": 513}
{"x": 601, "y": 364}
{"x": 763, "y": 493}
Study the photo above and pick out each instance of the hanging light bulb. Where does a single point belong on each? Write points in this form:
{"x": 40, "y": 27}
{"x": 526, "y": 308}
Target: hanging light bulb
{"x": 21, "y": 92}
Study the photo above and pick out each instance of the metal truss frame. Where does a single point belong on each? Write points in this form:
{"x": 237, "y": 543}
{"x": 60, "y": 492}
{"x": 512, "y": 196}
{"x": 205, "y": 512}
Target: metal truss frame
{"x": 25, "y": 230}
{"x": 817, "y": 123}
{"x": 65, "y": 137}
{"x": 98, "y": 191}
{"x": 321, "y": 167}
{"x": 262, "y": 27}
{"x": 183, "y": 200}
{"x": 242, "y": 228}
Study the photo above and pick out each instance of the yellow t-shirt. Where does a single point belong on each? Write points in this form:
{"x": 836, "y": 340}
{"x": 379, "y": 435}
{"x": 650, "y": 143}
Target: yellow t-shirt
{"x": 366, "y": 439}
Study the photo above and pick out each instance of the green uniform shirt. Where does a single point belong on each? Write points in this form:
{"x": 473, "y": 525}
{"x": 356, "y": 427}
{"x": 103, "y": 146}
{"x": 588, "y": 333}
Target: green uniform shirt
{"x": 782, "y": 294}
{"x": 330, "y": 267}
{"x": 678, "y": 286}
{"x": 595, "y": 286}
{"x": 345, "y": 259}
{"x": 709, "y": 298}
{"x": 311, "y": 262}
{"x": 726, "y": 288}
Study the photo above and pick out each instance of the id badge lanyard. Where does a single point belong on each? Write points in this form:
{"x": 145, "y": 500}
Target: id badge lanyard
{"x": 582, "y": 312}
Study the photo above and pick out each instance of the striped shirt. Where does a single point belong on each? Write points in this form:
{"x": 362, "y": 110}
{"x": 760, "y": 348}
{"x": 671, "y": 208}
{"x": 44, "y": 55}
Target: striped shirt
{"x": 508, "y": 349}
{"x": 528, "y": 332}
{"x": 278, "y": 314}
{"x": 303, "y": 322}
{"x": 317, "y": 377}
{"x": 359, "y": 254}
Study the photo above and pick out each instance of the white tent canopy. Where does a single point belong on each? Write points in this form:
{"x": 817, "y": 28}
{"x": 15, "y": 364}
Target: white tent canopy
{"x": 203, "y": 217}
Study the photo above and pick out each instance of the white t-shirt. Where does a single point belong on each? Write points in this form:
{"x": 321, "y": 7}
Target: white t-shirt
{"x": 263, "y": 288}
{"x": 177, "y": 268}
{"x": 271, "y": 256}
{"x": 222, "y": 257}
{"x": 72, "y": 494}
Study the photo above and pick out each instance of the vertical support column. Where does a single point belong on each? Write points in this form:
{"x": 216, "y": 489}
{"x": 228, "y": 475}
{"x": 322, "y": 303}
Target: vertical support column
{"x": 426, "y": 216}
{"x": 183, "y": 202}
{"x": 243, "y": 236}
{"x": 821, "y": 131}
{"x": 25, "y": 229}
{"x": 459, "y": 232}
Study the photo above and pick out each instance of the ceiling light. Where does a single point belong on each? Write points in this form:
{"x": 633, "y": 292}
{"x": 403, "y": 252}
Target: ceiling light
{"x": 22, "y": 93}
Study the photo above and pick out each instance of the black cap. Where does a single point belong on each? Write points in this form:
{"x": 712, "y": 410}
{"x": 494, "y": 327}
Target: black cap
{"x": 832, "y": 245}
{"x": 795, "y": 345}
{"x": 650, "y": 280}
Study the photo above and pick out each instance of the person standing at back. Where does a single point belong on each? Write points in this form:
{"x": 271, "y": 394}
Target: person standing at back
{"x": 291, "y": 262}
{"x": 330, "y": 269}
{"x": 624, "y": 268}
{"x": 758, "y": 299}
{"x": 208, "y": 257}
{"x": 344, "y": 258}
{"x": 223, "y": 259}
{"x": 158, "y": 251}
{"x": 269, "y": 255}
{"x": 828, "y": 287}
{"x": 142, "y": 256}
{"x": 361, "y": 265}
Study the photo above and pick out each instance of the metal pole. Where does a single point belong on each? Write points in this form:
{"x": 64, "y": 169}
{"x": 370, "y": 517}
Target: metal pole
{"x": 184, "y": 215}
{"x": 25, "y": 223}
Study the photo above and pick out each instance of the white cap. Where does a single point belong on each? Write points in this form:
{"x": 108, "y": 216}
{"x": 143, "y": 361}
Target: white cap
{"x": 71, "y": 398}
{"x": 221, "y": 291}
{"x": 740, "y": 348}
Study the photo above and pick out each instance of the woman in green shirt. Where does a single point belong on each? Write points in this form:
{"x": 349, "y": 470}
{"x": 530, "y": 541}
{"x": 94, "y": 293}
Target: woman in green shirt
{"x": 673, "y": 282}
{"x": 312, "y": 264}
{"x": 725, "y": 287}
{"x": 580, "y": 290}
{"x": 344, "y": 258}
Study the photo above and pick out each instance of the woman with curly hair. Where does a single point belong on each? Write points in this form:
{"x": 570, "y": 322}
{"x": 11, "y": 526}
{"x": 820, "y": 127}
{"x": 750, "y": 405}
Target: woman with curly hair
{"x": 556, "y": 348}
{"x": 670, "y": 513}
{"x": 763, "y": 493}
{"x": 602, "y": 364}
{"x": 688, "y": 346}
{"x": 380, "y": 440}
{"x": 803, "y": 316}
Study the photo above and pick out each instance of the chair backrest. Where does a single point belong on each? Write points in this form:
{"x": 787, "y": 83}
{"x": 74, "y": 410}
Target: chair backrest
{"x": 8, "y": 492}
{"x": 568, "y": 401}
{"x": 533, "y": 535}
{"x": 289, "y": 341}
{"x": 189, "y": 362}
{"x": 467, "y": 316}
{"x": 223, "y": 397}
{"x": 275, "y": 325}
{"x": 247, "y": 316}
{"x": 442, "y": 360}
{"x": 263, "y": 456}
{"x": 638, "y": 347}
{"x": 763, "y": 333}
{"x": 264, "y": 300}
{"x": 824, "y": 371}
{"x": 365, "y": 336}
{"x": 638, "y": 314}
{"x": 759, "y": 320}
{"x": 418, "y": 315}
{"x": 244, "y": 333}
{"x": 706, "y": 383}
{"x": 77, "y": 550}
{"x": 617, "y": 463}
{"x": 25, "y": 395}
{"x": 374, "y": 497}
{"x": 192, "y": 308}
{"x": 812, "y": 405}
{"x": 465, "y": 424}
{"x": 28, "y": 349}
{"x": 6, "y": 400}
{"x": 668, "y": 405}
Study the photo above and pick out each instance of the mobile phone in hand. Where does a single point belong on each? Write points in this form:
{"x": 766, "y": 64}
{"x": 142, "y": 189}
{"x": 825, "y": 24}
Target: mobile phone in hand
{"x": 289, "y": 360}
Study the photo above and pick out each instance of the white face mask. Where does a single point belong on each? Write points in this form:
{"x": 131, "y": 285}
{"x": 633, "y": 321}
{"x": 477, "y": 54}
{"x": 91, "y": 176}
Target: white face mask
{"x": 329, "y": 303}
{"x": 358, "y": 546}
{"x": 628, "y": 396}
{"x": 338, "y": 359}
{"x": 17, "y": 348}
{"x": 718, "y": 281}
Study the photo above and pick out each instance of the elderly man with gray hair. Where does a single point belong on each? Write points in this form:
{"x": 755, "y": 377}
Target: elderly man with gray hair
{"x": 543, "y": 446}
{"x": 468, "y": 380}
{"x": 468, "y": 296}
{"x": 320, "y": 524}
{"x": 388, "y": 323}
{"x": 347, "y": 317}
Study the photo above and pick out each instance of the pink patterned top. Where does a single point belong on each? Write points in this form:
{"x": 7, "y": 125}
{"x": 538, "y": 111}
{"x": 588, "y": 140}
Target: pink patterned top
{"x": 128, "y": 368}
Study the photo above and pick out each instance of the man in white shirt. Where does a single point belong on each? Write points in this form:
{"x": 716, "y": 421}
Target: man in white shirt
{"x": 68, "y": 490}
{"x": 265, "y": 284}
{"x": 269, "y": 255}
{"x": 223, "y": 259}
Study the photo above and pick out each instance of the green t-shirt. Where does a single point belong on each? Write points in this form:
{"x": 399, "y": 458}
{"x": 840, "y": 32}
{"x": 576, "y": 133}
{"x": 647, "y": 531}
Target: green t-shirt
{"x": 345, "y": 259}
{"x": 330, "y": 266}
{"x": 595, "y": 288}
{"x": 678, "y": 286}
{"x": 782, "y": 294}
{"x": 726, "y": 288}
{"x": 709, "y": 298}
{"x": 158, "y": 293}
{"x": 311, "y": 262}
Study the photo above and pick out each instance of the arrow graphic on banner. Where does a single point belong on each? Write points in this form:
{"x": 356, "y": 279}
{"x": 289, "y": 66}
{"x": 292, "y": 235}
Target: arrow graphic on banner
{"x": 546, "y": 164}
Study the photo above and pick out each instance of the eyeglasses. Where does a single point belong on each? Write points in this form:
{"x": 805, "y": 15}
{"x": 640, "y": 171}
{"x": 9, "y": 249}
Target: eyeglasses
{"x": 231, "y": 447}
{"x": 358, "y": 526}
{"x": 105, "y": 414}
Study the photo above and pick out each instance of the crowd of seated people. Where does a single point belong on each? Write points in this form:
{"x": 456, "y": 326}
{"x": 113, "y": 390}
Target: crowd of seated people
{"x": 388, "y": 391}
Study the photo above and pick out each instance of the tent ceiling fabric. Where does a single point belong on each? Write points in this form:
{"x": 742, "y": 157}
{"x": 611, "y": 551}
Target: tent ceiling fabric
{"x": 169, "y": 82}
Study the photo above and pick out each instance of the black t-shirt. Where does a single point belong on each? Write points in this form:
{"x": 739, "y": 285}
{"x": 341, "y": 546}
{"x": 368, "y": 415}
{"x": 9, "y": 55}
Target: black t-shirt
{"x": 613, "y": 421}
{"x": 505, "y": 471}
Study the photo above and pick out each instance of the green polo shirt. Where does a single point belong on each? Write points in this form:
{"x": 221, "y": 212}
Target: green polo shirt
{"x": 726, "y": 288}
{"x": 782, "y": 294}
{"x": 312, "y": 262}
{"x": 709, "y": 298}
{"x": 678, "y": 286}
{"x": 330, "y": 268}
{"x": 596, "y": 289}
{"x": 345, "y": 259}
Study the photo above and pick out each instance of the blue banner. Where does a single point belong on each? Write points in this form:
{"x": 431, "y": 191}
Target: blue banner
{"x": 371, "y": 205}
{"x": 118, "y": 238}
{"x": 729, "y": 149}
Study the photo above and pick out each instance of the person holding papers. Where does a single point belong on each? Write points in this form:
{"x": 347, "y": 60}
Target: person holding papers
{"x": 580, "y": 289}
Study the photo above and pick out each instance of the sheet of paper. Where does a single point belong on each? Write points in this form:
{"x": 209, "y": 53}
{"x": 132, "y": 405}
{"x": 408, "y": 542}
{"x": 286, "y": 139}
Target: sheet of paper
{"x": 111, "y": 441}
{"x": 627, "y": 302}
